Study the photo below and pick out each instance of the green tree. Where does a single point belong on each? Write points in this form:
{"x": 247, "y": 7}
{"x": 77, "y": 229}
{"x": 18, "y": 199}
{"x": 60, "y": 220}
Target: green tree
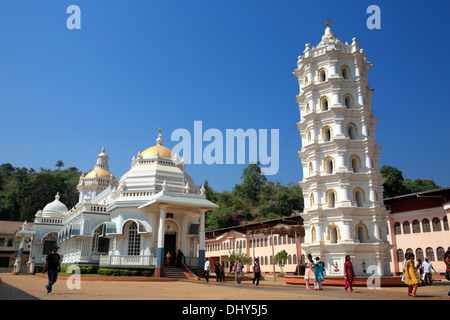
{"x": 252, "y": 185}
{"x": 59, "y": 164}
{"x": 419, "y": 185}
{"x": 281, "y": 259}
{"x": 393, "y": 185}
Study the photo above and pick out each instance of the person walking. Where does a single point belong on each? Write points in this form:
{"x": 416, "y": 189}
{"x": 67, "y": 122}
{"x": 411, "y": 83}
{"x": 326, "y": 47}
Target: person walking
{"x": 238, "y": 271}
{"x": 206, "y": 270}
{"x": 349, "y": 274}
{"x": 256, "y": 272}
{"x": 222, "y": 272}
{"x": 427, "y": 266}
{"x": 53, "y": 265}
{"x": 420, "y": 269}
{"x": 318, "y": 271}
{"x": 217, "y": 270}
{"x": 447, "y": 265}
{"x": 410, "y": 276}
{"x": 309, "y": 271}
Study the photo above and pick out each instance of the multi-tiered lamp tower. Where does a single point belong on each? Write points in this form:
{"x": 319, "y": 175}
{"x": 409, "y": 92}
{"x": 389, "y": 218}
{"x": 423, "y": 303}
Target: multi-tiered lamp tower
{"x": 343, "y": 189}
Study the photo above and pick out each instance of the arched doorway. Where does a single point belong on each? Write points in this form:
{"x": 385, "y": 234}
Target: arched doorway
{"x": 171, "y": 241}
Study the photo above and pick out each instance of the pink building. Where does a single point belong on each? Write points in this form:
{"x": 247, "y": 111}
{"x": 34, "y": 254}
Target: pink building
{"x": 418, "y": 223}
{"x": 219, "y": 244}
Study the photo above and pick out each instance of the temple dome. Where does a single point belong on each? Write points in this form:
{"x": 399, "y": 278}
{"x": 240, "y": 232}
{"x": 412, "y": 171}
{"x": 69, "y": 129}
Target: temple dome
{"x": 55, "y": 207}
{"x": 100, "y": 173}
{"x": 157, "y": 150}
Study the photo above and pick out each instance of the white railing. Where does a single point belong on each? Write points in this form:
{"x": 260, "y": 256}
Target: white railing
{"x": 127, "y": 261}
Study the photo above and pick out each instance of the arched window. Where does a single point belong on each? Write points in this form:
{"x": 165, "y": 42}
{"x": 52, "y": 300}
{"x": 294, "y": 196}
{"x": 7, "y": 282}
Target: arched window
{"x": 352, "y": 132}
{"x": 134, "y": 240}
{"x": 322, "y": 74}
{"x": 416, "y": 226}
{"x": 406, "y": 227}
{"x": 440, "y": 254}
{"x": 311, "y": 199}
{"x": 328, "y": 163}
{"x": 294, "y": 259}
{"x": 308, "y": 136}
{"x": 361, "y": 234}
{"x": 266, "y": 261}
{"x": 419, "y": 254}
{"x": 355, "y": 163}
{"x": 330, "y": 198}
{"x": 437, "y": 224}
{"x": 326, "y": 133}
{"x": 358, "y": 196}
{"x": 324, "y": 103}
{"x": 333, "y": 235}
{"x": 426, "y": 225}
{"x": 348, "y": 100}
{"x": 400, "y": 255}
{"x": 409, "y": 251}
{"x": 307, "y": 108}
{"x": 397, "y": 228}
{"x": 289, "y": 259}
{"x": 345, "y": 72}
{"x": 275, "y": 241}
{"x": 445, "y": 220}
{"x": 310, "y": 168}
{"x": 99, "y": 243}
{"x": 49, "y": 241}
{"x": 430, "y": 254}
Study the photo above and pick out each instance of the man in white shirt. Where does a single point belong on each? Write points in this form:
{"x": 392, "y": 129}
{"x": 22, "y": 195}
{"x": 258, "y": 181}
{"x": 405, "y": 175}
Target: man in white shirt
{"x": 206, "y": 269}
{"x": 427, "y": 266}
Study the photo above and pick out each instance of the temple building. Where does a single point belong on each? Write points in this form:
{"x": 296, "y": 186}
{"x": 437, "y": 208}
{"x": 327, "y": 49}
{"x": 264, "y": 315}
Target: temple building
{"x": 131, "y": 222}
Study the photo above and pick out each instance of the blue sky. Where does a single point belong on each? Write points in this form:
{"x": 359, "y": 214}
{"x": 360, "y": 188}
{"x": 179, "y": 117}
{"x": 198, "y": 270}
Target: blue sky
{"x": 137, "y": 65}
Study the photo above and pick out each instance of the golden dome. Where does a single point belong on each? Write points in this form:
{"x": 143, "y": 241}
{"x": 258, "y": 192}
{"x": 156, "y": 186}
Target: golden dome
{"x": 151, "y": 152}
{"x": 101, "y": 173}
{"x": 162, "y": 151}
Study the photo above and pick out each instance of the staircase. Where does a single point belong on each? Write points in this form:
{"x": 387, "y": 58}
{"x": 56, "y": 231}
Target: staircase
{"x": 174, "y": 273}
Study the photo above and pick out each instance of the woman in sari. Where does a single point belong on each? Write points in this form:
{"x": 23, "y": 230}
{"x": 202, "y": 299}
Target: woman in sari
{"x": 309, "y": 271}
{"x": 411, "y": 277}
{"x": 318, "y": 271}
{"x": 349, "y": 273}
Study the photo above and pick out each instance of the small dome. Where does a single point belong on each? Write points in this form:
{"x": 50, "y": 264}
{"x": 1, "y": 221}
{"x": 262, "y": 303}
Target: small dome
{"x": 55, "y": 206}
{"x": 101, "y": 173}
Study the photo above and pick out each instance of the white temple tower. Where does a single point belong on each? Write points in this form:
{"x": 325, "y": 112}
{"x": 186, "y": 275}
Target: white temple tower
{"x": 97, "y": 180}
{"x": 343, "y": 189}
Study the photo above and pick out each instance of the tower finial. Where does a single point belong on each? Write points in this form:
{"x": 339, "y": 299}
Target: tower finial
{"x": 103, "y": 150}
{"x": 159, "y": 140}
{"x": 327, "y": 22}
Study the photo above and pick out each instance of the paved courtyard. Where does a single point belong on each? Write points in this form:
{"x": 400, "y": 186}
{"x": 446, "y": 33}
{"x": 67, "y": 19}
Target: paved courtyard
{"x": 31, "y": 287}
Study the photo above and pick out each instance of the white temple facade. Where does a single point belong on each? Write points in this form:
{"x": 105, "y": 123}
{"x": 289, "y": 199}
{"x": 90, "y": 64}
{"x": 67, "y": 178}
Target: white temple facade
{"x": 342, "y": 186}
{"x": 131, "y": 222}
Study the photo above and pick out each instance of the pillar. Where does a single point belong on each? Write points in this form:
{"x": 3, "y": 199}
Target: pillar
{"x": 201, "y": 244}
{"x": 159, "y": 271}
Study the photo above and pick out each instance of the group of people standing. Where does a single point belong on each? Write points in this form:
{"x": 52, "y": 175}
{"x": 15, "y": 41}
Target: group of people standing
{"x": 314, "y": 271}
{"x": 219, "y": 270}
{"x": 413, "y": 274}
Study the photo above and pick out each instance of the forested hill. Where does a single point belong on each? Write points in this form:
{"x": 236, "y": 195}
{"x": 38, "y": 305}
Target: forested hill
{"x": 25, "y": 191}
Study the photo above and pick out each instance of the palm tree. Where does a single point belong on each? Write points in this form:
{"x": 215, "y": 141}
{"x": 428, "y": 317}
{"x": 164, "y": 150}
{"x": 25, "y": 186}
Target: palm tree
{"x": 59, "y": 164}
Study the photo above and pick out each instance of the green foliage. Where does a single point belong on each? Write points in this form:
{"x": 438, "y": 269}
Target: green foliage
{"x": 24, "y": 191}
{"x": 395, "y": 185}
{"x": 234, "y": 255}
{"x": 255, "y": 199}
{"x": 281, "y": 259}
